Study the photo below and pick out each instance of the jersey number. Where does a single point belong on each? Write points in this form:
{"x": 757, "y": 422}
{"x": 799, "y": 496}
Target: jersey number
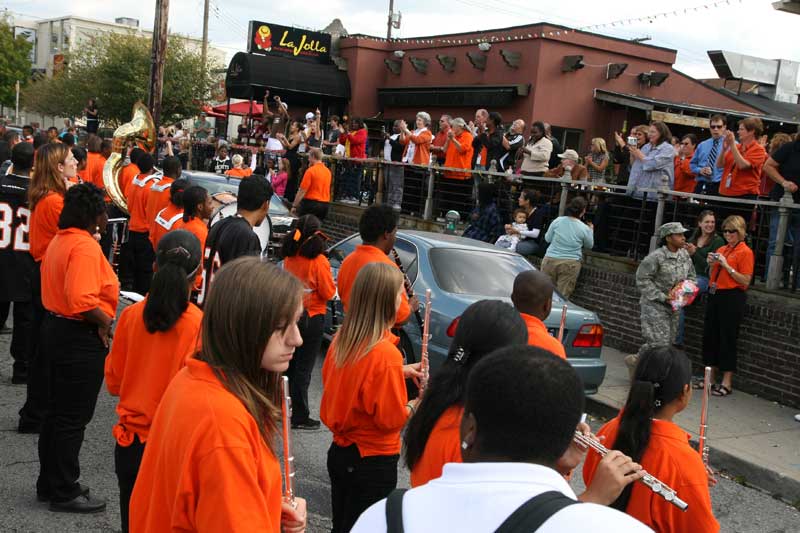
{"x": 9, "y": 236}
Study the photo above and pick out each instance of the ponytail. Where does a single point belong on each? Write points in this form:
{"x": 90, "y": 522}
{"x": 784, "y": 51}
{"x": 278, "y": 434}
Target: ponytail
{"x": 304, "y": 238}
{"x": 168, "y": 298}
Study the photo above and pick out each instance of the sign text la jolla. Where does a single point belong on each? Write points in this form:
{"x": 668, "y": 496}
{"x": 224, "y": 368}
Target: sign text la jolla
{"x": 313, "y": 46}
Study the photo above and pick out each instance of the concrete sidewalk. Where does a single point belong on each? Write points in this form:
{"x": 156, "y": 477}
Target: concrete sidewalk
{"x": 754, "y": 440}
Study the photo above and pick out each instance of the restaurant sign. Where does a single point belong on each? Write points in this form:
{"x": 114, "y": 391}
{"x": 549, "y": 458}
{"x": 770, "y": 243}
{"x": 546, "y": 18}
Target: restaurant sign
{"x": 272, "y": 39}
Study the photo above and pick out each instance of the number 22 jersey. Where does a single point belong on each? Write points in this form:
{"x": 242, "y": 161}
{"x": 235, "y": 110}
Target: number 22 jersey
{"x": 16, "y": 262}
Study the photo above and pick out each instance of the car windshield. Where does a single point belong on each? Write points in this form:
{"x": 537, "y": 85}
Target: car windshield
{"x": 478, "y": 272}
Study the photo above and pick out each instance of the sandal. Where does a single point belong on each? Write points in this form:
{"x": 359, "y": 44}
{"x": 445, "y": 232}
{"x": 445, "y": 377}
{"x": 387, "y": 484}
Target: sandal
{"x": 721, "y": 391}
{"x": 697, "y": 383}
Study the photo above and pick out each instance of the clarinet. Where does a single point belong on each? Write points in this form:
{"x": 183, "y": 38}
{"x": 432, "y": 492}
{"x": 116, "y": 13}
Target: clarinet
{"x": 117, "y": 236}
{"x": 407, "y": 284}
{"x": 652, "y": 483}
{"x": 288, "y": 456}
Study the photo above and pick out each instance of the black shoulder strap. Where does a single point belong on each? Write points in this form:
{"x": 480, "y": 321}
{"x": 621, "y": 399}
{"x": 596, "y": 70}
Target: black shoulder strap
{"x": 394, "y": 511}
{"x": 532, "y": 514}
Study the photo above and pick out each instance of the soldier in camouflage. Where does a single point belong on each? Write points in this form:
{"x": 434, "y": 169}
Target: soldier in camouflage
{"x": 657, "y": 274}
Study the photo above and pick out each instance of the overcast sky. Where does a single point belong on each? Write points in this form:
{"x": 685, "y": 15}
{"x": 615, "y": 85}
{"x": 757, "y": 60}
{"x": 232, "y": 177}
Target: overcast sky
{"x": 748, "y": 26}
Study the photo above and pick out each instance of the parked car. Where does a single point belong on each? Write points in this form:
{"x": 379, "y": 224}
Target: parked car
{"x": 279, "y": 217}
{"x": 459, "y": 272}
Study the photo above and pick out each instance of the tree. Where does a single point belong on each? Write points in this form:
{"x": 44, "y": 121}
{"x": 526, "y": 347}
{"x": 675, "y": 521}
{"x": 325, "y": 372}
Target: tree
{"x": 15, "y": 62}
{"x": 115, "y": 68}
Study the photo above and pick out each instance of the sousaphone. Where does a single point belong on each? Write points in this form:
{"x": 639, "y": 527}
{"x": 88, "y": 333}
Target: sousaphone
{"x": 141, "y": 131}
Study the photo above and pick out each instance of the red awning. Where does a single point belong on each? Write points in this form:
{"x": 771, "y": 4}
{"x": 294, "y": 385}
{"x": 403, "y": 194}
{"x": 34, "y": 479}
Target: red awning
{"x": 239, "y": 108}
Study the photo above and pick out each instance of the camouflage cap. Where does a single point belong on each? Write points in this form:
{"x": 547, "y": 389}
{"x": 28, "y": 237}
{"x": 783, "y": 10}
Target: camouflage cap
{"x": 671, "y": 228}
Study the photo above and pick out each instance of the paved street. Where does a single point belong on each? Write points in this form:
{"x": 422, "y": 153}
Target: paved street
{"x": 739, "y": 509}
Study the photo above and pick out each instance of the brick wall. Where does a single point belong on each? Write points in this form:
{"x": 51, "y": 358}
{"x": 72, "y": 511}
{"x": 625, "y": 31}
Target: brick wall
{"x": 769, "y": 340}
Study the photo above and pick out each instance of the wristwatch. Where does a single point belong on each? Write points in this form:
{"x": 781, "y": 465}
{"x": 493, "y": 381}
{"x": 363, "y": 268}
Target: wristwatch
{"x": 732, "y": 271}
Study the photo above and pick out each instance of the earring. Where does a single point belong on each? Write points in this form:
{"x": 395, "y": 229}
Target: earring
{"x": 97, "y": 229}
{"x": 464, "y": 445}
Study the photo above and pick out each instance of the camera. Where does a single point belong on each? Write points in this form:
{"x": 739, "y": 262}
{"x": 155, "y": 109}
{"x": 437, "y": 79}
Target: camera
{"x": 632, "y": 141}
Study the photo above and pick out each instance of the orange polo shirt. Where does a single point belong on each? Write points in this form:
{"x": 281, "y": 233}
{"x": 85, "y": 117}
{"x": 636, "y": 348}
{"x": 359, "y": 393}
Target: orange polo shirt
{"x": 77, "y": 277}
{"x": 44, "y": 223}
{"x": 157, "y": 199}
{"x": 166, "y": 220}
{"x": 205, "y": 466}
{"x": 684, "y": 177}
{"x": 317, "y": 278}
{"x": 94, "y": 169}
{"x": 198, "y": 228}
{"x": 736, "y": 182}
{"x": 239, "y": 172}
{"x": 364, "y": 402}
{"x": 459, "y": 159}
{"x": 443, "y": 446}
{"x": 317, "y": 183}
{"x": 740, "y": 258}
{"x": 137, "y": 202}
{"x": 539, "y": 336}
{"x": 671, "y": 459}
{"x": 352, "y": 264}
{"x": 126, "y": 175}
{"x": 422, "y": 150}
{"x": 141, "y": 365}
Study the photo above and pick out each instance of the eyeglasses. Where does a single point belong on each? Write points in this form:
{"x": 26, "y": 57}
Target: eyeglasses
{"x": 729, "y": 230}
{"x": 717, "y": 127}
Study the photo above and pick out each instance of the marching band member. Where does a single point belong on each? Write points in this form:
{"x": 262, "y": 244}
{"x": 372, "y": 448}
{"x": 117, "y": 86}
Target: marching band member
{"x": 197, "y": 209}
{"x": 533, "y": 298}
{"x": 644, "y": 430}
{"x": 210, "y": 463}
{"x": 303, "y": 251}
{"x": 521, "y": 408}
{"x": 138, "y": 226}
{"x": 364, "y": 399}
{"x": 168, "y": 217}
{"x": 130, "y": 171}
{"x": 54, "y": 164}
{"x": 432, "y": 438}
{"x": 80, "y": 292}
{"x": 234, "y": 237}
{"x": 159, "y": 196}
{"x": 378, "y": 230}
{"x": 152, "y": 341}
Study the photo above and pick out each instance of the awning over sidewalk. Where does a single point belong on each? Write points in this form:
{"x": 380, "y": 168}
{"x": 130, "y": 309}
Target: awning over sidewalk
{"x": 452, "y": 96}
{"x": 249, "y": 75}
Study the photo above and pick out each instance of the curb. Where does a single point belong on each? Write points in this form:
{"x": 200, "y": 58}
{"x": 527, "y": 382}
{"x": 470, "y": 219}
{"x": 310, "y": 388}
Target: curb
{"x": 776, "y": 484}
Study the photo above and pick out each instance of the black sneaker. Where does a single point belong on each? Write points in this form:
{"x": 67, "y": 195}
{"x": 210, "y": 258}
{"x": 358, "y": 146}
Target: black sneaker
{"x": 82, "y": 504}
{"x": 309, "y": 423}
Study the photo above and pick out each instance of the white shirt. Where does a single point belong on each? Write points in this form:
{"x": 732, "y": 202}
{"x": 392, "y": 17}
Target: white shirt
{"x": 273, "y": 145}
{"x": 478, "y": 497}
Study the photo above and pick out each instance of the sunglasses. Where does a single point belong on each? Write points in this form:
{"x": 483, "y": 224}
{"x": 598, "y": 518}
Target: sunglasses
{"x": 728, "y": 230}
{"x": 719, "y": 127}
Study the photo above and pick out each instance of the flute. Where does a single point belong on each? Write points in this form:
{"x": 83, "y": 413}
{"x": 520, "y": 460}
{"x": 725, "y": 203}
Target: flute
{"x": 702, "y": 441}
{"x": 407, "y": 285}
{"x": 563, "y": 323}
{"x": 424, "y": 362}
{"x": 288, "y": 456}
{"x": 654, "y": 484}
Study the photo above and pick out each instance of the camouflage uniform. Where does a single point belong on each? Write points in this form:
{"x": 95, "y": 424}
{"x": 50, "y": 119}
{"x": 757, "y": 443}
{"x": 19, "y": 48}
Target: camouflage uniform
{"x": 657, "y": 274}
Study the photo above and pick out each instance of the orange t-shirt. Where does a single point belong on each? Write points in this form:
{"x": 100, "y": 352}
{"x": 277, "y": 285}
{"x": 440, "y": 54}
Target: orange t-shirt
{"x": 671, "y": 459}
{"x": 239, "y": 172}
{"x": 126, "y": 175}
{"x": 364, "y": 402}
{"x": 94, "y": 169}
{"x": 684, "y": 177}
{"x": 157, "y": 199}
{"x": 422, "y": 150}
{"x": 317, "y": 279}
{"x": 443, "y": 446}
{"x": 459, "y": 159}
{"x": 77, "y": 277}
{"x": 539, "y": 336}
{"x": 736, "y": 182}
{"x": 205, "y": 466}
{"x": 352, "y": 264}
{"x": 137, "y": 202}
{"x": 166, "y": 220}
{"x": 317, "y": 183}
{"x": 44, "y": 223}
{"x": 198, "y": 228}
{"x": 740, "y": 258}
{"x": 141, "y": 365}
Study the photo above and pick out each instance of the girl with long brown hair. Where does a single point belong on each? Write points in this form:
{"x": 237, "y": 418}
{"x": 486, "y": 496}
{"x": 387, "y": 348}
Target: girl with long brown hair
{"x": 210, "y": 463}
{"x": 364, "y": 400}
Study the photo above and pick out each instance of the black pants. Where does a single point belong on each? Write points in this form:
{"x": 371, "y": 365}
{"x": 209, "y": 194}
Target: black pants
{"x": 357, "y": 482}
{"x": 76, "y": 356}
{"x": 127, "y": 460}
{"x": 37, "y": 399}
{"x": 143, "y": 256}
{"x": 704, "y": 187}
{"x": 302, "y": 365}
{"x": 313, "y": 207}
{"x": 20, "y": 337}
{"x": 724, "y": 312}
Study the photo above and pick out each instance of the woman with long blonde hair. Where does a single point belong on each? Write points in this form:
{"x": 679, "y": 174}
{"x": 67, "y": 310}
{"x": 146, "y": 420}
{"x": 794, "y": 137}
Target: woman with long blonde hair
{"x": 364, "y": 400}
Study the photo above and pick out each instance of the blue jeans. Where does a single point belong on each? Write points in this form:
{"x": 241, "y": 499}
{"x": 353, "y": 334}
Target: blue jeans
{"x": 702, "y": 284}
{"x": 792, "y": 233}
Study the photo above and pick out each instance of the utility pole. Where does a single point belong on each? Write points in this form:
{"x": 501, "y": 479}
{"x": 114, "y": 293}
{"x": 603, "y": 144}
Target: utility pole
{"x": 204, "y": 53}
{"x": 158, "y": 58}
{"x": 390, "y": 23}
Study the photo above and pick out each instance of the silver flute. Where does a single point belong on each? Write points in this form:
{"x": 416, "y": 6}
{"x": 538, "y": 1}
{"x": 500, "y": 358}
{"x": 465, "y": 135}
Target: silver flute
{"x": 702, "y": 441}
{"x": 563, "y": 323}
{"x": 654, "y": 484}
{"x": 424, "y": 360}
{"x": 288, "y": 455}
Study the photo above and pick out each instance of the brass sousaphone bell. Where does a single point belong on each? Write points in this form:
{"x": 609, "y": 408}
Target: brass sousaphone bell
{"x": 141, "y": 130}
